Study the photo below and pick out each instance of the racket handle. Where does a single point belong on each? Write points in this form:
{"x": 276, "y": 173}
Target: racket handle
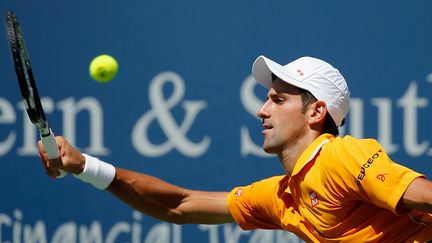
{"x": 51, "y": 149}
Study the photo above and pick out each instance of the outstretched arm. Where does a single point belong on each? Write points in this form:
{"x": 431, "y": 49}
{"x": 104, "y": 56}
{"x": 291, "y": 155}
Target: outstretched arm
{"x": 148, "y": 194}
{"x": 168, "y": 202}
{"x": 418, "y": 195}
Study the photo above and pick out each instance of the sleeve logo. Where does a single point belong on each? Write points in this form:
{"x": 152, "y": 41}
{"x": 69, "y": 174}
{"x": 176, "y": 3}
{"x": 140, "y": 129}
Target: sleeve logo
{"x": 381, "y": 177}
{"x": 314, "y": 199}
{"x": 366, "y": 165}
{"x": 238, "y": 193}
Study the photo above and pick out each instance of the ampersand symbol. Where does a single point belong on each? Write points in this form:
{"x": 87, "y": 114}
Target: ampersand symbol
{"x": 175, "y": 134}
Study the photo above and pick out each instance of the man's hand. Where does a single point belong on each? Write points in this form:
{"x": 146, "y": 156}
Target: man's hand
{"x": 71, "y": 160}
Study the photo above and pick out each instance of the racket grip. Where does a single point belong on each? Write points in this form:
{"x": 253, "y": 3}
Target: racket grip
{"x": 51, "y": 149}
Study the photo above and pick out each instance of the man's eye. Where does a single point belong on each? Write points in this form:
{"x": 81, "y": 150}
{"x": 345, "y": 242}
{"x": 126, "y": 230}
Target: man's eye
{"x": 278, "y": 100}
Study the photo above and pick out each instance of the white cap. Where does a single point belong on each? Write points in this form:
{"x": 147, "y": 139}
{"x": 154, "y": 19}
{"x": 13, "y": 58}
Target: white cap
{"x": 324, "y": 81}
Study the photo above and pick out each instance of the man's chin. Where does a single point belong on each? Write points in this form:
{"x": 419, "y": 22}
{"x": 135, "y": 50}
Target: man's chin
{"x": 269, "y": 149}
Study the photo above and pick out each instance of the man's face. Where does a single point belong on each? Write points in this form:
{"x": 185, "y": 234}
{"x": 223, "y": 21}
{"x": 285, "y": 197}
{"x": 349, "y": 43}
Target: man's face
{"x": 284, "y": 123}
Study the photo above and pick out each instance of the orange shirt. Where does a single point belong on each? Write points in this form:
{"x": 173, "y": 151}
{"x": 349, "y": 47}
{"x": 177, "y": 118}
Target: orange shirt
{"x": 341, "y": 189}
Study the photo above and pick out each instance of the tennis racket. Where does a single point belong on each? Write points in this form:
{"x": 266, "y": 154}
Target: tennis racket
{"x": 28, "y": 88}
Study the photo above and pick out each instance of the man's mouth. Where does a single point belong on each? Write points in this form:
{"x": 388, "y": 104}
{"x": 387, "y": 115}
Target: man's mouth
{"x": 266, "y": 127}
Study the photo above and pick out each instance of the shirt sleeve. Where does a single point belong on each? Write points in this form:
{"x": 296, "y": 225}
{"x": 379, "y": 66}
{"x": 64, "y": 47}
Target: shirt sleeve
{"x": 254, "y": 206}
{"x": 364, "y": 169}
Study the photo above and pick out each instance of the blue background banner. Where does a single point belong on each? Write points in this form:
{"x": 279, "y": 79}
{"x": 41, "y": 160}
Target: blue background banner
{"x": 183, "y": 104}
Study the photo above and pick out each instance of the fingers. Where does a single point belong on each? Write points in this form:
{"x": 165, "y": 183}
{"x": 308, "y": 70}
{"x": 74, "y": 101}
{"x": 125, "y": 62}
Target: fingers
{"x": 51, "y": 166}
{"x": 61, "y": 144}
{"x": 50, "y": 169}
{"x": 70, "y": 160}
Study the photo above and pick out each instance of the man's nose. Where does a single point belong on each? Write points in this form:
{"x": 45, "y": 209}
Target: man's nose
{"x": 263, "y": 111}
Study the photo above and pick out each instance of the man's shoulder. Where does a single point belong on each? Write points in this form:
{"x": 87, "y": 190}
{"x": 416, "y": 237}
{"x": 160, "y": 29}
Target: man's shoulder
{"x": 350, "y": 142}
{"x": 274, "y": 180}
{"x": 262, "y": 186}
{"x": 348, "y": 149}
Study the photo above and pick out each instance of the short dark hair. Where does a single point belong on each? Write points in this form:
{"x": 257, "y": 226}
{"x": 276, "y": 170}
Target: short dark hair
{"x": 329, "y": 125}
{"x": 308, "y": 98}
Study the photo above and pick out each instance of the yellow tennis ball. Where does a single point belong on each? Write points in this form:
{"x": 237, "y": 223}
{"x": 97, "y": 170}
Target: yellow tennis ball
{"x": 103, "y": 68}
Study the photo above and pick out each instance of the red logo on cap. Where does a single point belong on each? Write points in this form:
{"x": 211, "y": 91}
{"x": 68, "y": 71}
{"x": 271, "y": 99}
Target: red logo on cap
{"x": 300, "y": 72}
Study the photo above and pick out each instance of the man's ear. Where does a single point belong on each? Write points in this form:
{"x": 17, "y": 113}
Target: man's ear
{"x": 317, "y": 112}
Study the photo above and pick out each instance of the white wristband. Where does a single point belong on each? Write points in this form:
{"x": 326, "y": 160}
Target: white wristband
{"x": 96, "y": 172}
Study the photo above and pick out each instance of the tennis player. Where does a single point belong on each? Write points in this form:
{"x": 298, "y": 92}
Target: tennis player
{"x": 335, "y": 189}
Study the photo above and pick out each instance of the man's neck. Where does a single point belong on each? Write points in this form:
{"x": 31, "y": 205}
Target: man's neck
{"x": 290, "y": 155}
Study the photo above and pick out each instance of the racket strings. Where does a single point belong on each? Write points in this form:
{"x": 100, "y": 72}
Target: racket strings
{"x": 24, "y": 73}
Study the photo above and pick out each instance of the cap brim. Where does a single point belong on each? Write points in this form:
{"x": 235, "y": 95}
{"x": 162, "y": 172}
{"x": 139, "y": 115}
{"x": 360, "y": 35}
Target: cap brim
{"x": 263, "y": 68}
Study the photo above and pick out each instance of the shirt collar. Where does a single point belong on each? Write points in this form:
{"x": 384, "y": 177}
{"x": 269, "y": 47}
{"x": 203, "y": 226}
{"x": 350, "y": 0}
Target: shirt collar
{"x": 311, "y": 151}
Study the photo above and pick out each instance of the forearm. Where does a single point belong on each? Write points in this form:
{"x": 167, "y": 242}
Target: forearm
{"x": 167, "y": 202}
{"x": 418, "y": 196}
{"x": 148, "y": 194}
